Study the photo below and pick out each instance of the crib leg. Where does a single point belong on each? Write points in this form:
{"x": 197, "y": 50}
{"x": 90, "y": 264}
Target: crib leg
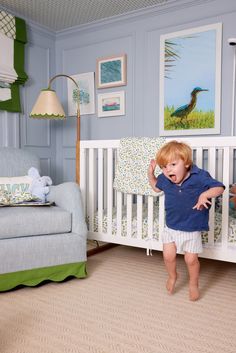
{"x": 100, "y": 248}
{"x": 149, "y": 252}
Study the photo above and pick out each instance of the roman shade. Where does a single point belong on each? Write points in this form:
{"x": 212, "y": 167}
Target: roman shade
{"x": 12, "y": 41}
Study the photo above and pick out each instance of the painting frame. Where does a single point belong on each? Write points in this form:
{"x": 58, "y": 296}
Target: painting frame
{"x": 111, "y": 71}
{"x": 192, "y": 124}
{"x": 111, "y": 104}
{"x": 86, "y": 83}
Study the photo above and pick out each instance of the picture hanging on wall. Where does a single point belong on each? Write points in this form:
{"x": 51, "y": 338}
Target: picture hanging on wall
{"x": 190, "y": 81}
{"x": 111, "y": 104}
{"x": 86, "y": 87}
{"x": 111, "y": 71}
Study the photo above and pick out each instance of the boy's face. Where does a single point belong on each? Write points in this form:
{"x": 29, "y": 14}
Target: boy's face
{"x": 176, "y": 171}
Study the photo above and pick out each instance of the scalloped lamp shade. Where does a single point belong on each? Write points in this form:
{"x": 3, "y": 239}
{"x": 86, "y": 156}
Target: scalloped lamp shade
{"x": 48, "y": 106}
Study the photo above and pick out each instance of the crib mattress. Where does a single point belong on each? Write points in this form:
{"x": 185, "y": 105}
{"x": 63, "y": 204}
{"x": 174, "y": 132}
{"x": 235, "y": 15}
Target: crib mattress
{"x": 217, "y": 233}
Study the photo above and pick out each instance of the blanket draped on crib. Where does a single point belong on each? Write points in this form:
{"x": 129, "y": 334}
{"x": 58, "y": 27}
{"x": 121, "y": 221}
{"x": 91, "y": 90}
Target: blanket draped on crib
{"x": 133, "y": 160}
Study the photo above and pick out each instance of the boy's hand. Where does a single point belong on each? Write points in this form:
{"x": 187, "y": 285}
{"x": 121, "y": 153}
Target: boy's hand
{"x": 152, "y": 166}
{"x": 151, "y": 176}
{"x": 202, "y": 202}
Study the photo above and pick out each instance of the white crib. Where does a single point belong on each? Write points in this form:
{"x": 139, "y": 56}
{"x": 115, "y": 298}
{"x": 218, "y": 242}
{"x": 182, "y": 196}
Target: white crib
{"x": 137, "y": 220}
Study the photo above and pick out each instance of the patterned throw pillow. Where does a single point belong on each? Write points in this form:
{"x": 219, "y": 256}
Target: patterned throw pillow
{"x": 133, "y": 160}
{"x": 4, "y": 197}
{"x": 15, "y": 190}
{"x": 22, "y": 197}
{"x": 15, "y": 184}
{"x": 9, "y": 199}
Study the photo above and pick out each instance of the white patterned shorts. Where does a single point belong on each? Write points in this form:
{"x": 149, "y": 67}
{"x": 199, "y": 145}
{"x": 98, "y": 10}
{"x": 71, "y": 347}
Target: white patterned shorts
{"x": 185, "y": 241}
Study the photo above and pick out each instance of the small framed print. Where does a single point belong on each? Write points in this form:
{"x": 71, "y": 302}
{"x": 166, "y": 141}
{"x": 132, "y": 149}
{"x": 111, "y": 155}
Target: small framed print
{"x": 85, "y": 82}
{"x": 111, "y": 104}
{"x": 111, "y": 71}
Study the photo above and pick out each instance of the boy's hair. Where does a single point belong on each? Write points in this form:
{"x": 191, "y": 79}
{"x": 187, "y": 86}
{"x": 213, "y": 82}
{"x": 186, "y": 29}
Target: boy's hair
{"x": 172, "y": 150}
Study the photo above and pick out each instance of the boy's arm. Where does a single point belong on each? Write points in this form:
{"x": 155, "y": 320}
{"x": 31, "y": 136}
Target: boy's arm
{"x": 203, "y": 200}
{"x": 151, "y": 177}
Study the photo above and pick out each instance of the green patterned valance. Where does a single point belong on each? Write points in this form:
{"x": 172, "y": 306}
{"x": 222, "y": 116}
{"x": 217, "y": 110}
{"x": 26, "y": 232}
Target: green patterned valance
{"x": 12, "y": 40}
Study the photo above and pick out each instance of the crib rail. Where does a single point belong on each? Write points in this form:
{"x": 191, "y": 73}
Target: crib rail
{"x": 127, "y": 219}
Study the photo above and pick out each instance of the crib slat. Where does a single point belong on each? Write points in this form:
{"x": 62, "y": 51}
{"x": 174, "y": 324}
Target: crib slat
{"x": 139, "y": 216}
{"x": 212, "y": 161}
{"x": 150, "y": 217}
{"x": 129, "y": 215}
{"x": 231, "y": 166}
{"x": 225, "y": 199}
{"x": 199, "y": 157}
{"x": 91, "y": 190}
{"x": 219, "y": 165}
{"x": 100, "y": 189}
{"x": 109, "y": 190}
{"x": 161, "y": 216}
{"x": 115, "y": 163}
{"x": 119, "y": 212}
{"x": 83, "y": 177}
{"x": 212, "y": 171}
{"x": 150, "y": 224}
{"x": 105, "y": 179}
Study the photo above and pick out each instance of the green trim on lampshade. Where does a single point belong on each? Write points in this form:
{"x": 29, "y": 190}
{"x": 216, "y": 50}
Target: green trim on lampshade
{"x": 48, "y": 89}
{"x": 47, "y": 116}
{"x": 35, "y": 276}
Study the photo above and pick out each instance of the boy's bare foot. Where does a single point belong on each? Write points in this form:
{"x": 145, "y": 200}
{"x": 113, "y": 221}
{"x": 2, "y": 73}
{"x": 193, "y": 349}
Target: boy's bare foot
{"x": 194, "y": 293}
{"x": 170, "y": 284}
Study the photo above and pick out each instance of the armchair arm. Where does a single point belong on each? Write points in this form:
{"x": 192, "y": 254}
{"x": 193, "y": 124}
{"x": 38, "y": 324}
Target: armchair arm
{"x": 68, "y": 196}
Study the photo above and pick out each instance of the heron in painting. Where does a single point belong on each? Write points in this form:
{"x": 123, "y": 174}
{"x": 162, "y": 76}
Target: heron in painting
{"x": 183, "y": 111}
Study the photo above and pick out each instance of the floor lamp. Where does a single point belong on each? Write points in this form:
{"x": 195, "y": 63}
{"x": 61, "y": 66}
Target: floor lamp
{"x": 48, "y": 106}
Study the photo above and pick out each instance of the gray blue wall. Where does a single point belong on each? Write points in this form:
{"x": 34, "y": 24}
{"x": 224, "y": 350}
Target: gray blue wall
{"x": 76, "y": 50}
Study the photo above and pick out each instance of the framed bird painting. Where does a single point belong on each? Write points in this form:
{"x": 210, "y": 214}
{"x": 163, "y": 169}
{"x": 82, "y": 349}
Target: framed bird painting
{"x": 190, "y": 81}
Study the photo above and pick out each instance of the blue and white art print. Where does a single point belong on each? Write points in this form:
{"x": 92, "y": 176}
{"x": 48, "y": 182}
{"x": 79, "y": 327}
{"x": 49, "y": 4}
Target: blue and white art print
{"x": 111, "y": 71}
{"x": 85, "y": 82}
{"x": 111, "y": 104}
{"x": 190, "y": 81}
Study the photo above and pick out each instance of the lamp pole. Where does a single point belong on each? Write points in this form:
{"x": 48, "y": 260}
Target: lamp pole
{"x": 77, "y": 147}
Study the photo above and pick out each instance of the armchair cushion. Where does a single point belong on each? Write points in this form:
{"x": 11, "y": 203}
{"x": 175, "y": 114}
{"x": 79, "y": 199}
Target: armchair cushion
{"x": 30, "y": 221}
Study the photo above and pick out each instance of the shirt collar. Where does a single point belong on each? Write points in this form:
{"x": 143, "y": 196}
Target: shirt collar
{"x": 194, "y": 169}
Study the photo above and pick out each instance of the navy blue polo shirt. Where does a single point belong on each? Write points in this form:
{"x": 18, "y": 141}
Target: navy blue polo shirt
{"x": 180, "y": 199}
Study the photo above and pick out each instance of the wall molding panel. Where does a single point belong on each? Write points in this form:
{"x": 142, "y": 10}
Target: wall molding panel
{"x": 9, "y": 129}
{"x": 45, "y": 164}
{"x": 69, "y": 169}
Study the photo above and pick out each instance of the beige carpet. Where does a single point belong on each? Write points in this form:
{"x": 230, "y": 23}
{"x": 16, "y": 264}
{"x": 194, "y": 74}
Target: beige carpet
{"x": 122, "y": 307}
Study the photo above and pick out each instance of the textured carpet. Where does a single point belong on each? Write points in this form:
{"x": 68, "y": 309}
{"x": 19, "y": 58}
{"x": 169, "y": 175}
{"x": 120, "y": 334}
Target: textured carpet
{"x": 123, "y": 307}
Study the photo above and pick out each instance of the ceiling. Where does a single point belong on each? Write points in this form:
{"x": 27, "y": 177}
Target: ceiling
{"x": 59, "y": 15}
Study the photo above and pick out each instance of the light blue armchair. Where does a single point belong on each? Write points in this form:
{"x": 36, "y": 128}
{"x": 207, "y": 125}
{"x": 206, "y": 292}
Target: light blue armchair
{"x": 40, "y": 243}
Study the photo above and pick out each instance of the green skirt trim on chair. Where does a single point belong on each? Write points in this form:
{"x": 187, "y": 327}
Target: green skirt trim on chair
{"x": 35, "y": 276}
